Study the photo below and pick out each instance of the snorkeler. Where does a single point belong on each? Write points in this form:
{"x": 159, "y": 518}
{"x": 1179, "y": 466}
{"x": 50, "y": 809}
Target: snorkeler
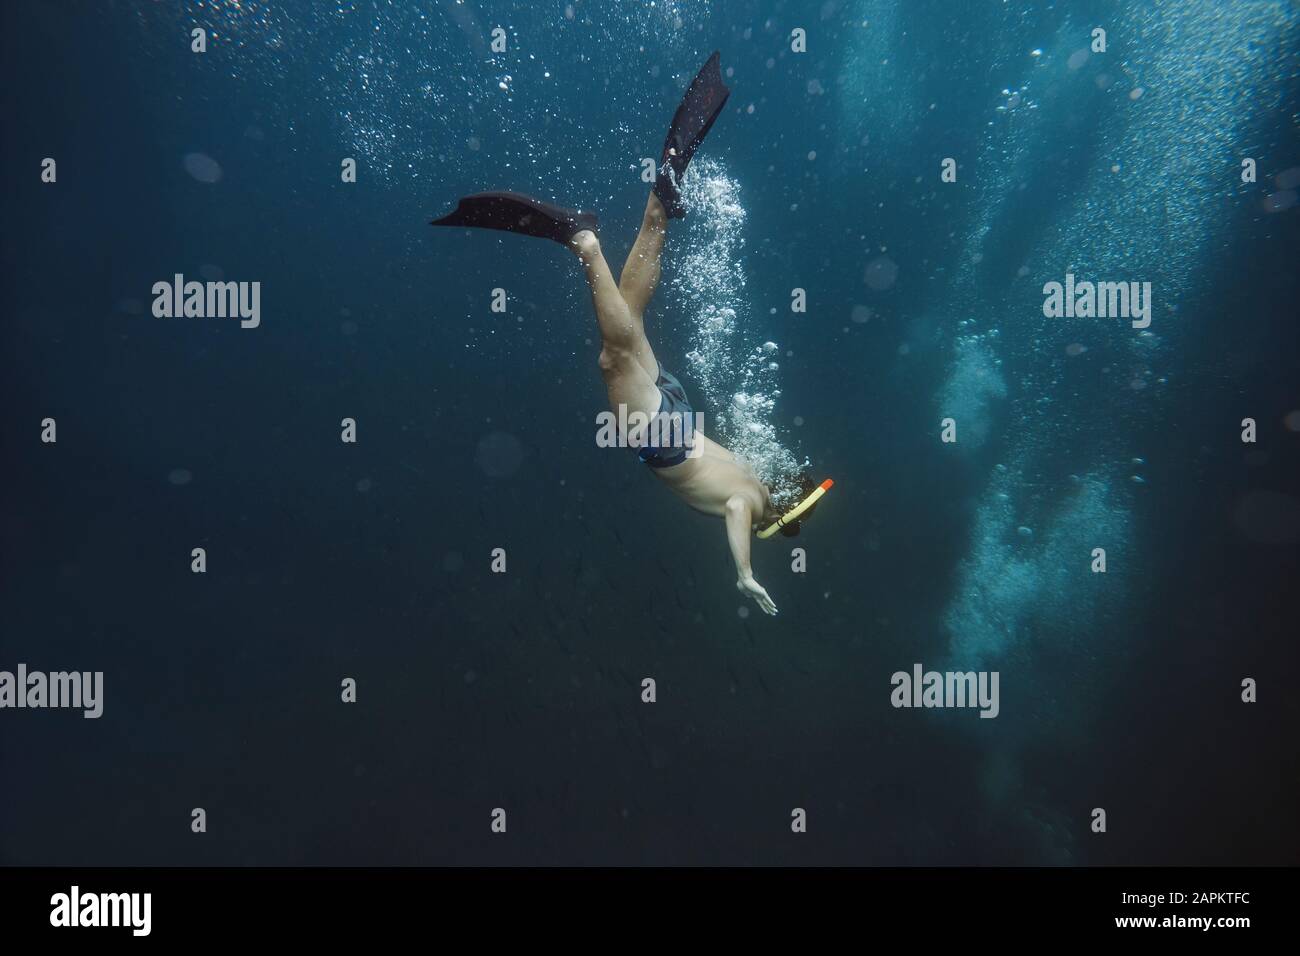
{"x": 704, "y": 474}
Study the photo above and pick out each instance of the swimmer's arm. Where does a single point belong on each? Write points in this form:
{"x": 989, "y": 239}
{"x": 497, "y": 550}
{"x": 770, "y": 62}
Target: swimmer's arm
{"x": 739, "y": 524}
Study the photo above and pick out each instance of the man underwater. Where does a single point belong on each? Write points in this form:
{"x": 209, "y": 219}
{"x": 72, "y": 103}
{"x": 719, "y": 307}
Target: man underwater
{"x": 704, "y": 474}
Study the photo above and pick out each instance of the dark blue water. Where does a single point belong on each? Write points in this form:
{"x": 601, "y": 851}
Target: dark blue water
{"x": 521, "y": 690}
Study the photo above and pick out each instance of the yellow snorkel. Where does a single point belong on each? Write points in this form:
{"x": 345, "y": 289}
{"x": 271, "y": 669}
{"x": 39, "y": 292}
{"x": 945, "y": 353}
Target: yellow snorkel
{"x": 794, "y": 513}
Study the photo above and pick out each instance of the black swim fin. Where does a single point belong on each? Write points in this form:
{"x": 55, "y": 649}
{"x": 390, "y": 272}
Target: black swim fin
{"x": 515, "y": 212}
{"x": 701, "y": 105}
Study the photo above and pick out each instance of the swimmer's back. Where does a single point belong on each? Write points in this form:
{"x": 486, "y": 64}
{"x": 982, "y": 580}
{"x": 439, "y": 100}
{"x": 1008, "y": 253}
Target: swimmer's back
{"x": 708, "y": 481}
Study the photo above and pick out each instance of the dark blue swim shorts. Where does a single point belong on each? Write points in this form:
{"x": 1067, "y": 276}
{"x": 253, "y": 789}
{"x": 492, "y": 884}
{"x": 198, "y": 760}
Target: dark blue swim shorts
{"x": 676, "y": 422}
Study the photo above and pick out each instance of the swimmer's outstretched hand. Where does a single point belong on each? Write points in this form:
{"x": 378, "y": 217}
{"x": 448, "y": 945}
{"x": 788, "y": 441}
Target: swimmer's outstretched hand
{"x": 755, "y": 590}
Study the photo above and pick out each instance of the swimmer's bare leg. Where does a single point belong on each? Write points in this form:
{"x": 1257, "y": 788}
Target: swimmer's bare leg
{"x": 641, "y": 271}
{"x": 625, "y": 355}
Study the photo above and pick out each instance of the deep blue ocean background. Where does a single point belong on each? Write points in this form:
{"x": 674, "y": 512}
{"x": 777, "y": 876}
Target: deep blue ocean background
{"x": 522, "y": 690}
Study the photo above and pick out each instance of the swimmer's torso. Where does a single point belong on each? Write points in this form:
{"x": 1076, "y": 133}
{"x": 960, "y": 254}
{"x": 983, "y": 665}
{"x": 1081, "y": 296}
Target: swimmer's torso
{"x": 707, "y": 481}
